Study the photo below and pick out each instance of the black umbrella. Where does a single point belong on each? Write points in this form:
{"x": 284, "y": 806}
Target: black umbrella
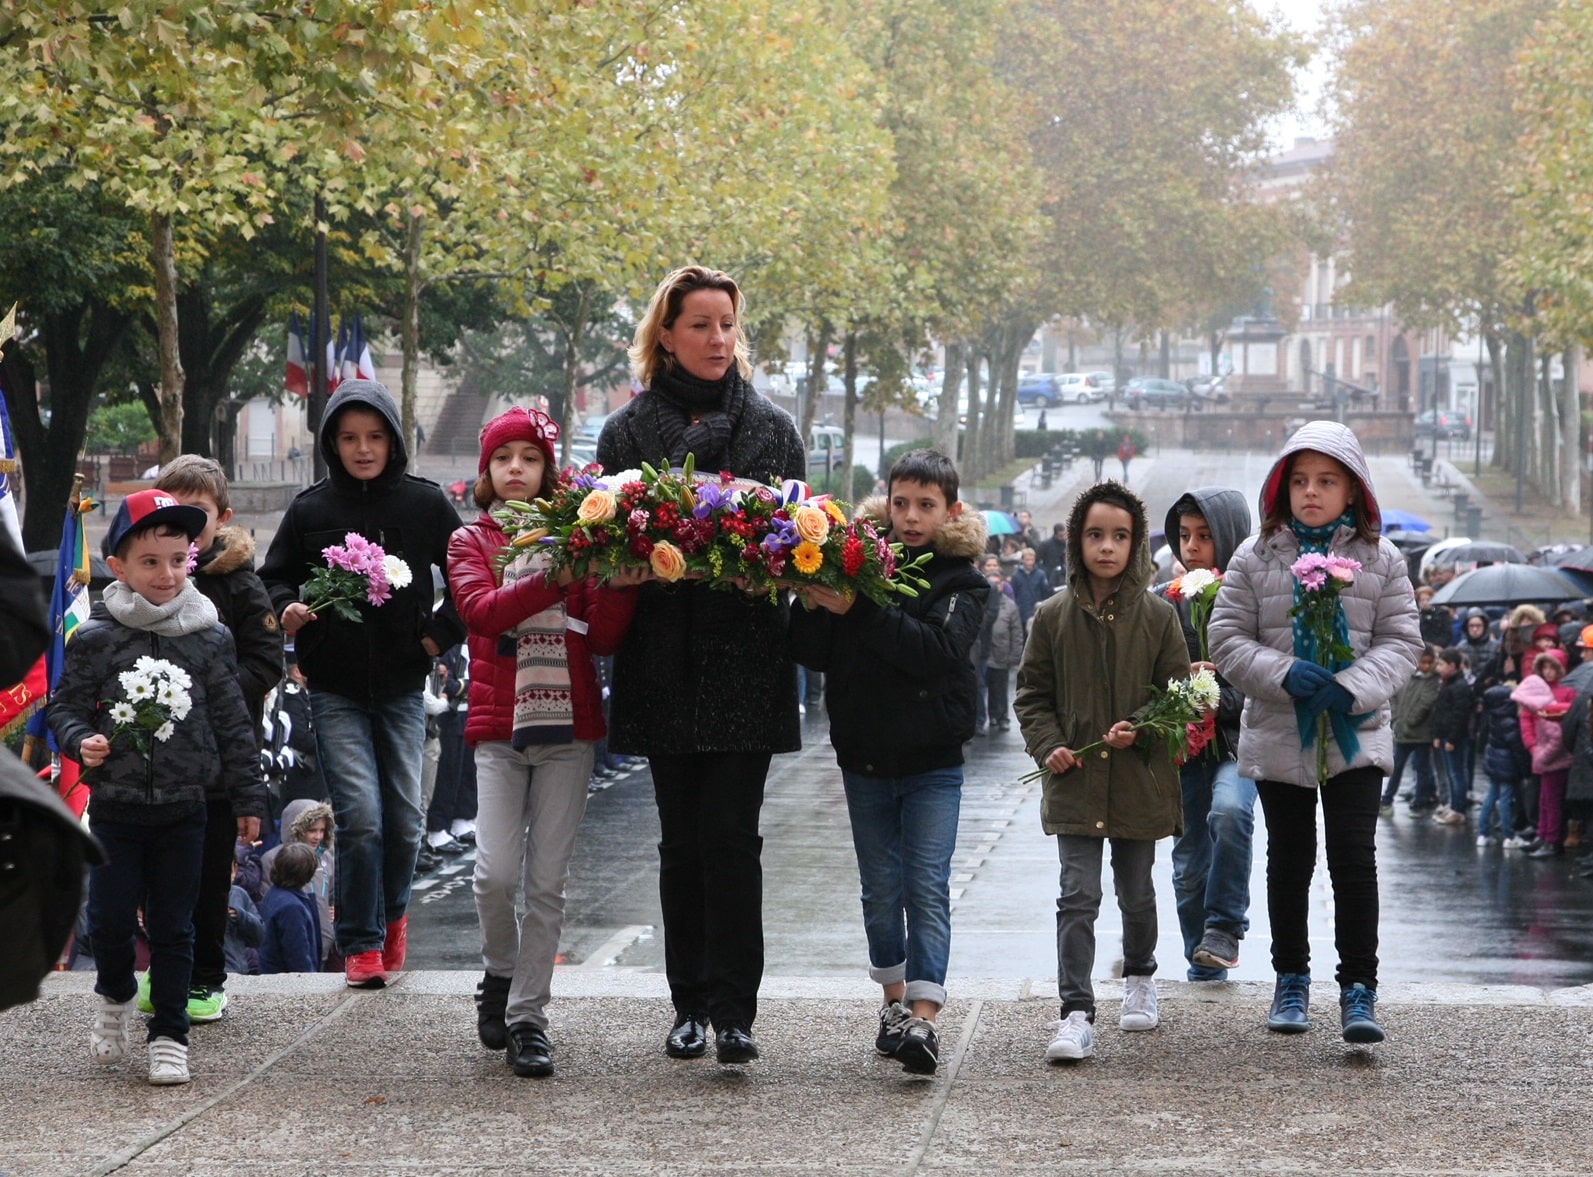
{"x": 1409, "y": 541}
{"x": 1574, "y": 557}
{"x": 1511, "y": 584}
{"x": 1481, "y": 552}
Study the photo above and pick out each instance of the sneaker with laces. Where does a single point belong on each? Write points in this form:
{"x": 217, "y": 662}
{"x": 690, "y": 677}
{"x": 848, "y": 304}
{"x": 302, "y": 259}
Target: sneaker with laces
{"x": 1358, "y": 1014}
{"x": 168, "y": 1062}
{"x": 1291, "y": 1004}
{"x": 363, "y": 970}
{"x": 146, "y": 1004}
{"x": 1515, "y": 843}
{"x": 206, "y": 1004}
{"x": 1139, "y": 1004}
{"x": 919, "y": 1050}
{"x": 108, "y": 1038}
{"x": 892, "y": 1017}
{"x": 1218, "y": 949}
{"x": 1074, "y": 1038}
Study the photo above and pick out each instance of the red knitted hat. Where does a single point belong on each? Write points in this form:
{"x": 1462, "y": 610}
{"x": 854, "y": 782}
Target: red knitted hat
{"x": 519, "y": 424}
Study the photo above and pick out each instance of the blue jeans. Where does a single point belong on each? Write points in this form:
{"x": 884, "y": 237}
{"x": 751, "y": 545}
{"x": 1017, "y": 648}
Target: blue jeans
{"x": 1211, "y": 859}
{"x": 1453, "y": 767}
{"x": 155, "y": 867}
{"x": 1501, "y": 795}
{"x": 905, "y": 830}
{"x": 1425, "y": 791}
{"x": 370, "y": 756}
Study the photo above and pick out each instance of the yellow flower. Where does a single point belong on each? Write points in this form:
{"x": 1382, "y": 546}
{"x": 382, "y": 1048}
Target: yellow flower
{"x": 812, "y": 524}
{"x": 833, "y": 510}
{"x": 667, "y": 561}
{"x": 526, "y": 538}
{"x": 596, "y": 507}
{"x": 808, "y": 558}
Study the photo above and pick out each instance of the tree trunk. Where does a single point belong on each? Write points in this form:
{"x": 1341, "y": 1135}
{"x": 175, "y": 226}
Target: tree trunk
{"x": 1496, "y": 366}
{"x": 163, "y": 257}
{"x": 968, "y": 460}
{"x": 841, "y": 483}
{"x": 945, "y": 433}
{"x": 210, "y": 353}
{"x": 812, "y": 400}
{"x": 574, "y": 334}
{"x": 74, "y": 358}
{"x": 1571, "y": 446}
{"x": 414, "y": 283}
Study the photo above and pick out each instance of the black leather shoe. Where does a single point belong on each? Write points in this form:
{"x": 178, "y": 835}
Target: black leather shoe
{"x": 734, "y": 1045}
{"x": 530, "y": 1052}
{"x": 689, "y": 1038}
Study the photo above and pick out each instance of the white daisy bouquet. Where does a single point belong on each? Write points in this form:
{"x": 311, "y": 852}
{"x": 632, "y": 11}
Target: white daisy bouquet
{"x": 156, "y": 700}
{"x": 1168, "y": 715}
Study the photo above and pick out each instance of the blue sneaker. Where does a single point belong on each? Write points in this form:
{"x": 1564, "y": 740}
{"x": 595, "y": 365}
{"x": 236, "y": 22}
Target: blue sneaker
{"x": 1291, "y": 1004}
{"x": 1357, "y": 1014}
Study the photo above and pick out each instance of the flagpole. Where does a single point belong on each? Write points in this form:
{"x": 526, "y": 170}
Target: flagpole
{"x": 323, "y": 336}
{"x": 32, "y": 744}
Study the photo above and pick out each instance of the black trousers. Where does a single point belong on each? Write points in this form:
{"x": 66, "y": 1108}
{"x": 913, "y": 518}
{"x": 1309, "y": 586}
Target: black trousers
{"x": 1349, "y": 822}
{"x": 710, "y": 881}
{"x": 215, "y": 890}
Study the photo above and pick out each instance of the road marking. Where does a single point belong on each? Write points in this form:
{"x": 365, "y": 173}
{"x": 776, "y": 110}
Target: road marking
{"x": 607, "y": 954}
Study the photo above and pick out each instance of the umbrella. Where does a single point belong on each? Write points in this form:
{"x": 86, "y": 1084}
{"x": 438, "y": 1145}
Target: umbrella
{"x": 1394, "y": 518}
{"x": 1574, "y": 558}
{"x": 43, "y": 562}
{"x": 1481, "y": 552}
{"x": 1001, "y": 523}
{"x": 1510, "y": 584}
{"x": 1409, "y": 541}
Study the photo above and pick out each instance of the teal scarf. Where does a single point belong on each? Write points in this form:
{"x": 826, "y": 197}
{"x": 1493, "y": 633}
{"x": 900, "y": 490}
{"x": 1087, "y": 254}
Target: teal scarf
{"x": 1318, "y": 539}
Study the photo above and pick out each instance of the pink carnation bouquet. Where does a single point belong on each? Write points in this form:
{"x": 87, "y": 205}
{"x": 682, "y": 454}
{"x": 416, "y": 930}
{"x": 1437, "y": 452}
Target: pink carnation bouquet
{"x": 356, "y": 570}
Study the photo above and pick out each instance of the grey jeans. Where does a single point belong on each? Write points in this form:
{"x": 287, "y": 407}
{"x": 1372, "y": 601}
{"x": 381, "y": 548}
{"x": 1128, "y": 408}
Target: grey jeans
{"x": 1079, "y": 902}
{"x": 530, "y": 805}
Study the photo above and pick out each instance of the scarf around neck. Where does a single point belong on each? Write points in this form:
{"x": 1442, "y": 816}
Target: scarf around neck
{"x": 1319, "y": 540}
{"x": 718, "y": 405}
{"x": 190, "y": 611}
{"x": 544, "y": 705}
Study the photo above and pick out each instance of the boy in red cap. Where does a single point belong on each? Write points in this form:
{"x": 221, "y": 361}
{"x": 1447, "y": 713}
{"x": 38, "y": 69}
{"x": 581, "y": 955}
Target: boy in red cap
{"x": 149, "y": 704}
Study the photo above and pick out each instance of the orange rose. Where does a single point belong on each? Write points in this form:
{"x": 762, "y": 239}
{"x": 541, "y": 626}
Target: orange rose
{"x": 812, "y": 524}
{"x": 596, "y": 507}
{"x": 667, "y": 561}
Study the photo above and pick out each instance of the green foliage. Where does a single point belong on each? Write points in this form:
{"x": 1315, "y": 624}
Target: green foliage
{"x": 118, "y": 429}
{"x": 830, "y": 482}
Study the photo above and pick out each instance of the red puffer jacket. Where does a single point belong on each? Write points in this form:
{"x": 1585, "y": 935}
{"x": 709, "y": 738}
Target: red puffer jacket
{"x": 490, "y": 610}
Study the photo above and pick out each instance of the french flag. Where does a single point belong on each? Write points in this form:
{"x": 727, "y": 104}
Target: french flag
{"x": 364, "y": 366}
{"x": 298, "y": 379}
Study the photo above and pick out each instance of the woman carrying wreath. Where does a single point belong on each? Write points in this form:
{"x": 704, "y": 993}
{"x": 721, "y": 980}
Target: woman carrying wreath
{"x": 703, "y": 686}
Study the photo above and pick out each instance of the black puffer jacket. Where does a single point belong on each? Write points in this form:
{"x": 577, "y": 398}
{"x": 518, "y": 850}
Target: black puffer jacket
{"x": 380, "y": 657}
{"x": 1505, "y": 756}
{"x": 214, "y": 748}
{"x": 901, "y": 692}
{"x": 1452, "y": 711}
{"x": 227, "y": 579}
{"x": 704, "y": 670}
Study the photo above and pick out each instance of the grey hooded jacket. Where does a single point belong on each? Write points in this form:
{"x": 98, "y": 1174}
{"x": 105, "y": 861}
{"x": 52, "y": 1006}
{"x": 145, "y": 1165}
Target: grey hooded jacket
{"x": 1252, "y": 637}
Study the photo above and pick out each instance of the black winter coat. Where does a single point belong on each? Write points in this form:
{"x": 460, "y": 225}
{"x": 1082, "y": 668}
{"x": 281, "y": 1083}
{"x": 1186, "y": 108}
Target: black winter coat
{"x": 1505, "y": 755}
{"x": 214, "y": 748}
{"x": 227, "y": 579}
{"x": 702, "y": 669}
{"x": 901, "y": 692}
{"x": 1452, "y": 711}
{"x": 380, "y": 657}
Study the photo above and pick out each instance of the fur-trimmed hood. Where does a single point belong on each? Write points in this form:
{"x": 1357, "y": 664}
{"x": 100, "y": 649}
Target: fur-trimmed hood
{"x": 298, "y": 816}
{"x": 1140, "y": 570}
{"x": 963, "y": 537}
{"x": 232, "y": 550}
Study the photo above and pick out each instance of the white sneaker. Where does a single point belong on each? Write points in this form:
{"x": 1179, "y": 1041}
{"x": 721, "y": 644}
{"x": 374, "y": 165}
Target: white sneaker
{"x": 1074, "y": 1038}
{"x": 1139, "y": 1004}
{"x": 108, "y": 1038}
{"x": 1515, "y": 843}
{"x": 1484, "y": 840}
{"x": 168, "y": 1062}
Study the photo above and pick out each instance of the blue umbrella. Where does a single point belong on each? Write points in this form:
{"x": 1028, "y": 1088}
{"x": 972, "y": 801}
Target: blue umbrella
{"x": 1394, "y": 518}
{"x": 1001, "y": 523}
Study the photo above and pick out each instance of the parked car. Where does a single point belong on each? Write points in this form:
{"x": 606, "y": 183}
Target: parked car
{"x": 1043, "y": 390}
{"x": 826, "y": 446}
{"x": 1441, "y": 423}
{"x": 1151, "y": 392}
{"x": 1083, "y": 388}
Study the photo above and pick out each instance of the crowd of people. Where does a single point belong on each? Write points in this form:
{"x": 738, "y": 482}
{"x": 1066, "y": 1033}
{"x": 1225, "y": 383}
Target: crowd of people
{"x": 410, "y": 728}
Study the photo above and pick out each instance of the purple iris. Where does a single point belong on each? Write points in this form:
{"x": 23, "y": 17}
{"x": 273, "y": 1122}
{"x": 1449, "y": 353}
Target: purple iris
{"x": 712, "y": 497}
{"x": 782, "y": 536}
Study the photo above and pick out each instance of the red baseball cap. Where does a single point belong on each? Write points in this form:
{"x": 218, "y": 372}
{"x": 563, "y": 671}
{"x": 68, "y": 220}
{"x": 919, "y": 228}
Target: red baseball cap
{"x": 150, "y": 508}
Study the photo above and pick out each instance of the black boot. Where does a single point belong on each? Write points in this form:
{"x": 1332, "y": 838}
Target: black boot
{"x": 492, "y": 998}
